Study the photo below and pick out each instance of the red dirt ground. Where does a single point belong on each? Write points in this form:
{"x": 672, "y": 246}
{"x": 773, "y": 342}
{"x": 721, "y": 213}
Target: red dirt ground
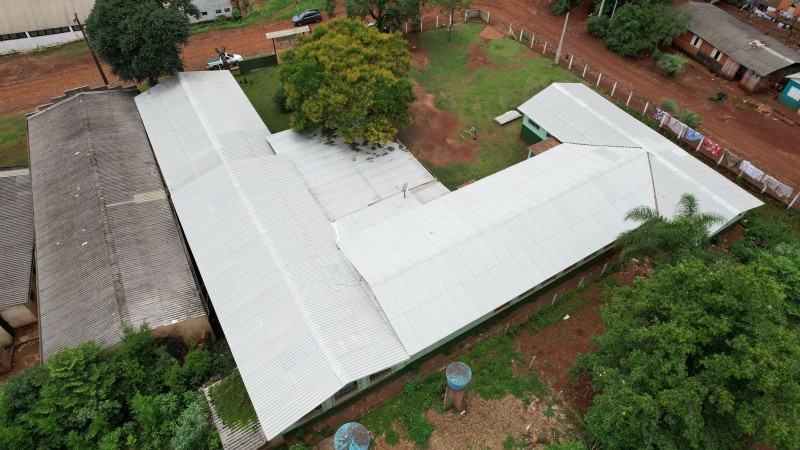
{"x": 768, "y": 142}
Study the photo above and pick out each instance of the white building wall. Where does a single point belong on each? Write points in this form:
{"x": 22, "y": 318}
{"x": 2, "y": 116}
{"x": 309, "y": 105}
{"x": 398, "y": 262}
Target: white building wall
{"x": 21, "y": 22}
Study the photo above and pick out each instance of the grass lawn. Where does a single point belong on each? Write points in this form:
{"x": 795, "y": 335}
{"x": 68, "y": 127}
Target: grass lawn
{"x": 13, "y": 146}
{"x": 233, "y": 404}
{"x": 512, "y": 76}
{"x": 259, "y": 89}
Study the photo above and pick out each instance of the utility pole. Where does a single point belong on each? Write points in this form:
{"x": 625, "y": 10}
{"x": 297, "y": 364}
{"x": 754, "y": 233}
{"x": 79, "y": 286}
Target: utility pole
{"x": 96, "y": 62}
{"x": 602, "y": 5}
{"x": 561, "y": 41}
{"x": 615, "y": 9}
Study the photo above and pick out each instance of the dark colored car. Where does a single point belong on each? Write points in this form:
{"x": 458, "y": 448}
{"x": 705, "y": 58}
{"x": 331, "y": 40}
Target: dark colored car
{"x": 307, "y": 16}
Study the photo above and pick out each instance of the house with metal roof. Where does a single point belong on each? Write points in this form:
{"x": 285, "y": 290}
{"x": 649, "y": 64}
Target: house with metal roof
{"x": 300, "y": 324}
{"x": 109, "y": 252}
{"x": 734, "y": 49}
{"x": 791, "y": 92}
{"x": 17, "y": 307}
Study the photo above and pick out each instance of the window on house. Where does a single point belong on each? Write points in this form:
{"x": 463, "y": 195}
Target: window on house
{"x": 77, "y": 27}
{"x": 204, "y": 13}
{"x": 696, "y": 41}
{"x": 380, "y": 374}
{"x": 716, "y": 54}
{"x": 345, "y": 390}
{"x": 219, "y": 11}
{"x": 793, "y": 93}
{"x": 227, "y": 10}
{"x": 12, "y": 36}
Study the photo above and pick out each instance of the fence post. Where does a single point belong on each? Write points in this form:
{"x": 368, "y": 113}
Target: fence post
{"x": 605, "y": 266}
{"x": 555, "y": 296}
{"x": 793, "y": 200}
{"x": 644, "y": 111}
{"x": 465, "y": 16}
{"x": 585, "y": 66}
{"x": 720, "y": 162}
{"x": 700, "y": 143}
{"x": 488, "y": 16}
{"x": 406, "y": 27}
{"x": 614, "y": 88}
{"x": 531, "y": 40}
{"x": 420, "y": 25}
{"x": 520, "y": 34}
{"x": 599, "y": 77}
{"x": 570, "y": 62}
{"x": 580, "y": 283}
{"x": 544, "y": 50}
{"x": 510, "y": 30}
{"x": 628, "y": 102}
{"x": 437, "y": 21}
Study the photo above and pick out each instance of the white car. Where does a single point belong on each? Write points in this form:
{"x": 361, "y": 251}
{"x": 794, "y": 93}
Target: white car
{"x": 216, "y": 63}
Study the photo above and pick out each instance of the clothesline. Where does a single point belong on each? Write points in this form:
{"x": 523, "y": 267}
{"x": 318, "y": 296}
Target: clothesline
{"x": 731, "y": 160}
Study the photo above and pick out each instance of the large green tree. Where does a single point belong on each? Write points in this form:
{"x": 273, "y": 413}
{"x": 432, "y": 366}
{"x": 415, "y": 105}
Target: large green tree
{"x": 140, "y": 40}
{"x": 699, "y": 357}
{"x": 386, "y": 13}
{"x": 349, "y": 78}
{"x": 670, "y": 239}
{"x": 638, "y": 26}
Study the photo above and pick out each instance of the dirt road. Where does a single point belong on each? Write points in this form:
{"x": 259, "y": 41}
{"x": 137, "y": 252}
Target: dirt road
{"x": 764, "y": 139}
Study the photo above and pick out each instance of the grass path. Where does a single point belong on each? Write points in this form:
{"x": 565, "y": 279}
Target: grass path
{"x": 13, "y": 145}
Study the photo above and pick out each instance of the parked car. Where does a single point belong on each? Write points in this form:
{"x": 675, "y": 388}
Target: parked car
{"x": 384, "y": 29}
{"x": 216, "y": 63}
{"x": 306, "y": 17}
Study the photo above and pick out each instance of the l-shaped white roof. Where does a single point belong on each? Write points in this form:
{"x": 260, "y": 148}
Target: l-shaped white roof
{"x": 298, "y": 320}
{"x": 441, "y": 266}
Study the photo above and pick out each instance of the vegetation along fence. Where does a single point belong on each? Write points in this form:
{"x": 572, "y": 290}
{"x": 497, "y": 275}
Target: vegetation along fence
{"x": 725, "y": 160}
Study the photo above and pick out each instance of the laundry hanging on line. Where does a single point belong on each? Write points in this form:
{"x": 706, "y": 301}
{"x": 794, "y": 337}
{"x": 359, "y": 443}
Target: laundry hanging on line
{"x": 675, "y": 125}
{"x": 780, "y": 189}
{"x": 692, "y": 135}
{"x": 712, "y": 147}
{"x": 659, "y": 115}
{"x": 751, "y": 170}
{"x": 731, "y": 160}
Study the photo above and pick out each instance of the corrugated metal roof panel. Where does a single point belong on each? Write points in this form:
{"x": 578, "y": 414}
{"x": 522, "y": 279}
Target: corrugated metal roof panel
{"x": 346, "y": 178}
{"x": 734, "y": 37}
{"x": 108, "y": 252}
{"x": 299, "y": 322}
{"x": 16, "y": 240}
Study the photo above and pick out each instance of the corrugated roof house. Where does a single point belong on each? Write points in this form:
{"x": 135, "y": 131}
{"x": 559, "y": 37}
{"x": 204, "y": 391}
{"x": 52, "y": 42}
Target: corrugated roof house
{"x": 300, "y": 325}
{"x": 16, "y": 251}
{"x": 440, "y": 268}
{"x": 109, "y": 253}
{"x": 734, "y": 49}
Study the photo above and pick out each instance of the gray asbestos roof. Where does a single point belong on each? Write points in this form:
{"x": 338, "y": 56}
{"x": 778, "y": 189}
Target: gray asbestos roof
{"x": 16, "y": 239}
{"x": 734, "y": 37}
{"x": 299, "y": 323}
{"x": 109, "y": 252}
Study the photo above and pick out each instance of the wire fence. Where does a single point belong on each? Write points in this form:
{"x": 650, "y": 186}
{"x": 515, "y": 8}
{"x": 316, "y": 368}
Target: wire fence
{"x": 704, "y": 147}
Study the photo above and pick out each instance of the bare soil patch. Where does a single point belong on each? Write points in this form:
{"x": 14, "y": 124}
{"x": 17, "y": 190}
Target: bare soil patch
{"x": 433, "y": 134}
{"x": 486, "y": 424}
{"x": 490, "y": 33}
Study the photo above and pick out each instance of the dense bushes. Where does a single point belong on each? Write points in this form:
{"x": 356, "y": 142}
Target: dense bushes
{"x": 136, "y": 397}
{"x": 672, "y": 65}
{"x": 598, "y": 26}
{"x": 562, "y": 6}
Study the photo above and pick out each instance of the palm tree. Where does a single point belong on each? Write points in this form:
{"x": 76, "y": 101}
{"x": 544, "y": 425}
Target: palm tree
{"x": 672, "y": 239}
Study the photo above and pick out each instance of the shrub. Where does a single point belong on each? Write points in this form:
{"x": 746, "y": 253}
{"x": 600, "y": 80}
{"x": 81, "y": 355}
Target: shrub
{"x": 669, "y": 105}
{"x": 279, "y": 98}
{"x": 197, "y": 367}
{"x": 562, "y": 6}
{"x": 690, "y": 117}
{"x": 598, "y": 26}
{"x": 672, "y": 65}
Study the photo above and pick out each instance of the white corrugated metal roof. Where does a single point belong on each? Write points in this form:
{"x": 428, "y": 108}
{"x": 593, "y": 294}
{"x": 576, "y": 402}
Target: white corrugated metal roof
{"x": 345, "y": 178}
{"x": 568, "y": 110}
{"x": 443, "y": 265}
{"x": 299, "y": 322}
